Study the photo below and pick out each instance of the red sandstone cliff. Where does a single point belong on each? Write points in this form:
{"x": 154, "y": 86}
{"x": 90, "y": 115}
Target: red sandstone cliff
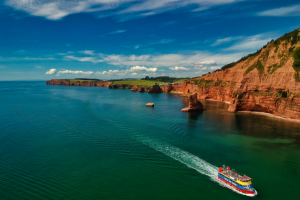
{"x": 267, "y": 81}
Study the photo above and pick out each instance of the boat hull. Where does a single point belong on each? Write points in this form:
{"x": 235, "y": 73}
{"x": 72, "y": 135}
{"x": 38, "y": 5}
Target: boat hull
{"x": 243, "y": 192}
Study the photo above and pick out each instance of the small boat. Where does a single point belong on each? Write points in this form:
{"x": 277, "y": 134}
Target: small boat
{"x": 237, "y": 182}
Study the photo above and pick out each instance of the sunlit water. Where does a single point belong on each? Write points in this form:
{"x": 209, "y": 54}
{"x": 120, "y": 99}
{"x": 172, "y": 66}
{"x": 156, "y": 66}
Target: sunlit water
{"x": 59, "y": 142}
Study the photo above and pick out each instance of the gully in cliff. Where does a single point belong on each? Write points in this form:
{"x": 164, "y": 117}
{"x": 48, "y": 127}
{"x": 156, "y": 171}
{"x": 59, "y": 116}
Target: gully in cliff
{"x": 241, "y": 184}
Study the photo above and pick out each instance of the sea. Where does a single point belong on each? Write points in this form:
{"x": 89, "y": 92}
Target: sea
{"x": 68, "y": 142}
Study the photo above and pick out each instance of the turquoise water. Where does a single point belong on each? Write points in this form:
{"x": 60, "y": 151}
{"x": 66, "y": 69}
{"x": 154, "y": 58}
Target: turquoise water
{"x": 60, "y": 142}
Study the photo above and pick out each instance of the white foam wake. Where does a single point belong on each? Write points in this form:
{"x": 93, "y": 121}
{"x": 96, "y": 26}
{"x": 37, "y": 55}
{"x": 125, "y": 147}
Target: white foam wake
{"x": 186, "y": 158}
{"x": 182, "y": 156}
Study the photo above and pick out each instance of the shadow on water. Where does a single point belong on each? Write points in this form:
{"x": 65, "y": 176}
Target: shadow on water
{"x": 248, "y": 124}
{"x": 193, "y": 116}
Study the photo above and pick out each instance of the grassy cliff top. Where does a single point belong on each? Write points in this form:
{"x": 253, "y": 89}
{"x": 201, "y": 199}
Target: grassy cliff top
{"x": 143, "y": 82}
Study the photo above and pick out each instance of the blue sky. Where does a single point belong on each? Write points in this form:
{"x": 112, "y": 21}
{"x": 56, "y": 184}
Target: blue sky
{"x": 105, "y": 39}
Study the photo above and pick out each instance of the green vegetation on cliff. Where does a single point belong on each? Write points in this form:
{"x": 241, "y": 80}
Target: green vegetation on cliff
{"x": 165, "y": 79}
{"x": 296, "y": 65}
{"x": 258, "y": 65}
{"x": 137, "y": 82}
{"x": 293, "y": 38}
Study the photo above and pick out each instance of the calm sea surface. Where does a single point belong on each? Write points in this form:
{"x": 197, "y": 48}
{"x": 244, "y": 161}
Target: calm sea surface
{"x": 59, "y": 142}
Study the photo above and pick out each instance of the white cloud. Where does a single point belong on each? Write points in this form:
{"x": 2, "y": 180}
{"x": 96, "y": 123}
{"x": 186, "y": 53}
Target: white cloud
{"x": 138, "y": 68}
{"x": 196, "y": 59}
{"x": 74, "y": 72}
{"x": 117, "y": 31}
{"x": 293, "y": 10}
{"x": 207, "y": 62}
{"x": 131, "y": 70}
{"x": 87, "y": 52}
{"x": 57, "y": 9}
{"x": 214, "y": 68}
{"x": 39, "y": 67}
{"x": 134, "y": 74}
{"x": 250, "y": 43}
{"x": 31, "y": 58}
{"x": 224, "y": 40}
{"x": 179, "y": 68}
{"x": 82, "y": 59}
{"x": 51, "y": 71}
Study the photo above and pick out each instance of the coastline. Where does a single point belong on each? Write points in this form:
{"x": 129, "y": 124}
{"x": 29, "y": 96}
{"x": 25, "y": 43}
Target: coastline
{"x": 269, "y": 115}
{"x": 183, "y": 93}
{"x": 226, "y": 102}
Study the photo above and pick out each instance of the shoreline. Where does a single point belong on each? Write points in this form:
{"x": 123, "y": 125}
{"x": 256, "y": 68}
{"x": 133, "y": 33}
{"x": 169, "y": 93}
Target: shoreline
{"x": 269, "y": 115}
{"x": 225, "y": 102}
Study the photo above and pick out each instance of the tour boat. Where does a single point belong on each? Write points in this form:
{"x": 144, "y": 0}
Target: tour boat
{"x": 237, "y": 182}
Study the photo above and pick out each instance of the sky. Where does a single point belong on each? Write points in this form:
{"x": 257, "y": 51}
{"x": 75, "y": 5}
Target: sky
{"x": 115, "y": 39}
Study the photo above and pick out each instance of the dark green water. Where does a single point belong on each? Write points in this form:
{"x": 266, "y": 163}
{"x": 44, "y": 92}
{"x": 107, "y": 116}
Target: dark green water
{"x": 59, "y": 142}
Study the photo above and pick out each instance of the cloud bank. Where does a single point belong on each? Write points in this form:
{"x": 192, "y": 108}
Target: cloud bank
{"x": 293, "y": 10}
{"x": 57, "y": 9}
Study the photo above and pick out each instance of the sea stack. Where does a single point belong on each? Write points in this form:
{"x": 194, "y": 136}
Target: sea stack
{"x": 150, "y": 105}
{"x": 141, "y": 89}
{"x": 194, "y": 104}
{"x": 155, "y": 89}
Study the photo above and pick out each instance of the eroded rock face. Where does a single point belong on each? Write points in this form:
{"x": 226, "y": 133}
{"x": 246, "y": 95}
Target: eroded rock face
{"x": 155, "y": 89}
{"x": 194, "y": 104}
{"x": 134, "y": 88}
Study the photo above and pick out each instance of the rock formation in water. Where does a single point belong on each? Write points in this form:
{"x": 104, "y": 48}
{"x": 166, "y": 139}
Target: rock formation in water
{"x": 155, "y": 89}
{"x": 150, "y": 105}
{"x": 141, "y": 89}
{"x": 134, "y": 88}
{"x": 194, "y": 104}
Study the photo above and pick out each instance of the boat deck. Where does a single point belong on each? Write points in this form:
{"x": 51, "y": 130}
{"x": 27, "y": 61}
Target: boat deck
{"x": 235, "y": 176}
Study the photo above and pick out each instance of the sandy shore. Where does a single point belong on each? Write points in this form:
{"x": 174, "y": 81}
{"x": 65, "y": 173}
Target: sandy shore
{"x": 227, "y": 102}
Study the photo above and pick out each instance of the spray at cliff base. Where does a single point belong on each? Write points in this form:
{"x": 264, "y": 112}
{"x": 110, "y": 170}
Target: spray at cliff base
{"x": 186, "y": 158}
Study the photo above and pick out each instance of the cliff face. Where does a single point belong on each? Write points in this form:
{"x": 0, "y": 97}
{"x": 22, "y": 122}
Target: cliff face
{"x": 267, "y": 81}
{"x": 71, "y": 83}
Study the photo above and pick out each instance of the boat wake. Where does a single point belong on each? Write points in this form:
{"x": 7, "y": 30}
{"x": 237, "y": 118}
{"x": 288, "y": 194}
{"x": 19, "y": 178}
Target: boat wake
{"x": 186, "y": 158}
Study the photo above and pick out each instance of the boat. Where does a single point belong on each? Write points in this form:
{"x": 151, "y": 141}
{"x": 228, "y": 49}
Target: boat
{"x": 239, "y": 183}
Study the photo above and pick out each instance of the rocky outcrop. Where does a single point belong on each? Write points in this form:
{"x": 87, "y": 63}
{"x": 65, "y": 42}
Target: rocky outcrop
{"x": 173, "y": 88}
{"x": 194, "y": 104}
{"x": 155, "y": 89}
{"x": 149, "y": 105}
{"x": 77, "y": 83}
{"x": 134, "y": 88}
{"x": 141, "y": 89}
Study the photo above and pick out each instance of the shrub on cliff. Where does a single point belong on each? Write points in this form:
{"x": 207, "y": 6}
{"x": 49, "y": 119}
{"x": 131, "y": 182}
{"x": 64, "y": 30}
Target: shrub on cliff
{"x": 296, "y": 55}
